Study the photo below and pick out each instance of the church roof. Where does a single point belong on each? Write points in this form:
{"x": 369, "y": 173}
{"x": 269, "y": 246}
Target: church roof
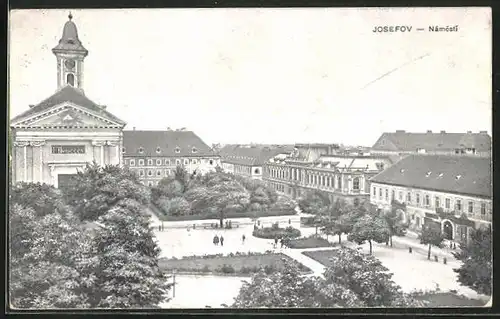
{"x": 467, "y": 175}
{"x": 69, "y": 40}
{"x": 167, "y": 142}
{"x": 67, "y": 94}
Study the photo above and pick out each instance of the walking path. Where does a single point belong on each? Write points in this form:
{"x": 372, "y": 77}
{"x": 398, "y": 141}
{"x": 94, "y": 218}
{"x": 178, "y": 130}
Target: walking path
{"x": 297, "y": 254}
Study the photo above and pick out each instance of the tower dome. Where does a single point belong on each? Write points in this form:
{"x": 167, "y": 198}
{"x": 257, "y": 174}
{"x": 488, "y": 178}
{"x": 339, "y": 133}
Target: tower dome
{"x": 69, "y": 40}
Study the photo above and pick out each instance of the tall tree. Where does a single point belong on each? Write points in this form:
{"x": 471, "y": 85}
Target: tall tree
{"x": 314, "y": 202}
{"x": 394, "y": 219}
{"x": 367, "y": 278}
{"x": 477, "y": 265}
{"x": 370, "y": 227}
{"x": 44, "y": 199}
{"x": 182, "y": 176}
{"x": 432, "y": 236}
{"x": 126, "y": 272}
{"x": 45, "y": 260}
{"x": 289, "y": 288}
{"x": 96, "y": 189}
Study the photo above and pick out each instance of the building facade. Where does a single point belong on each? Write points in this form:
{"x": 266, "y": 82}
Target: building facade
{"x": 154, "y": 155}
{"x": 403, "y": 143}
{"x": 248, "y": 160}
{"x": 452, "y": 192}
{"x": 61, "y": 134}
{"x": 314, "y": 169}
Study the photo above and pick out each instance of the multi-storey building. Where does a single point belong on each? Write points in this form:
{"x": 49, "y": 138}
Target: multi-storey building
{"x": 154, "y": 155}
{"x": 61, "y": 134}
{"x": 454, "y": 192}
{"x": 318, "y": 168}
{"x": 247, "y": 160}
{"x": 404, "y": 143}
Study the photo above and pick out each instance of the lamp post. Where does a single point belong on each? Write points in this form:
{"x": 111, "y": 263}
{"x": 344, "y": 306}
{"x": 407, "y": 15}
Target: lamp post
{"x": 173, "y": 288}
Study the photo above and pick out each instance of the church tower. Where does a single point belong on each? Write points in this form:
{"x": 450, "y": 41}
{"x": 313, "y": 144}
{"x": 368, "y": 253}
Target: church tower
{"x": 70, "y": 54}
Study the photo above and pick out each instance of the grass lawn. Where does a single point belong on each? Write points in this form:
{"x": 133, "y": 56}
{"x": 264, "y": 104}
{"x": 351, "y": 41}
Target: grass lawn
{"x": 321, "y": 256}
{"x": 245, "y": 264}
{"x": 309, "y": 242}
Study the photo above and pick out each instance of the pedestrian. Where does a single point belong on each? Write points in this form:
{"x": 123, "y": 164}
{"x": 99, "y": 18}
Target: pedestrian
{"x": 275, "y": 241}
{"x": 221, "y": 240}
{"x": 243, "y": 238}
{"x": 282, "y": 241}
{"x": 216, "y": 240}
{"x": 289, "y": 221}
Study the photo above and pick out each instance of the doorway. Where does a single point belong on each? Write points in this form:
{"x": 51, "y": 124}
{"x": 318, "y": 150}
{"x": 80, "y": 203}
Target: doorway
{"x": 448, "y": 230}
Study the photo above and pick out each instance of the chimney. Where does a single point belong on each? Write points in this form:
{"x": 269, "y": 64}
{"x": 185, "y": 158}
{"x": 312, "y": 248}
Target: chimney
{"x": 483, "y": 132}
{"x": 103, "y": 107}
{"x": 443, "y": 132}
{"x": 469, "y": 132}
{"x": 133, "y": 128}
{"x": 429, "y": 131}
{"x": 400, "y": 131}
{"x": 32, "y": 106}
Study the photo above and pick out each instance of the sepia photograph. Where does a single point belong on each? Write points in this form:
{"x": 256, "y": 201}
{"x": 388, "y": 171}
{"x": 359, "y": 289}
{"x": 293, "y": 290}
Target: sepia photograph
{"x": 249, "y": 158}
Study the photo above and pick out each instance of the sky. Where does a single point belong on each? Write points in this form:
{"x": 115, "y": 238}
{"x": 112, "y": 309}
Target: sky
{"x": 315, "y": 75}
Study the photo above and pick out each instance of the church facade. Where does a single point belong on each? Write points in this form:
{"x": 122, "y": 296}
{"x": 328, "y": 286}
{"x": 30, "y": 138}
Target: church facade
{"x": 64, "y": 132}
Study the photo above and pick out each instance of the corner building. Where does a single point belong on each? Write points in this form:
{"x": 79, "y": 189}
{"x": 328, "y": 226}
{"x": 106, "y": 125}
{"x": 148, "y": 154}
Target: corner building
{"x": 67, "y": 130}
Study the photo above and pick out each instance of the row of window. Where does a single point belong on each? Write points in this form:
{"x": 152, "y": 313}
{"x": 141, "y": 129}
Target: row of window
{"x": 278, "y": 187}
{"x": 158, "y": 150}
{"x": 425, "y": 201}
{"x": 151, "y": 172}
{"x": 168, "y": 162}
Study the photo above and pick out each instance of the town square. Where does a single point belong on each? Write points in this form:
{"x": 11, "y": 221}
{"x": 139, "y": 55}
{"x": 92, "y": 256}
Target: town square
{"x": 237, "y": 163}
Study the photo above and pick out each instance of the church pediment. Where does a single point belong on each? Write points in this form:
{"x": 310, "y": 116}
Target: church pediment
{"x": 67, "y": 115}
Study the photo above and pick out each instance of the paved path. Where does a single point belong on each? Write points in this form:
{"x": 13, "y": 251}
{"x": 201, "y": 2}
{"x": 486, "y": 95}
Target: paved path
{"x": 297, "y": 254}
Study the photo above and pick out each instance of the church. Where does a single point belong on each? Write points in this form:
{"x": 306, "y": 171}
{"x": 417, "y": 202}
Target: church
{"x": 55, "y": 138}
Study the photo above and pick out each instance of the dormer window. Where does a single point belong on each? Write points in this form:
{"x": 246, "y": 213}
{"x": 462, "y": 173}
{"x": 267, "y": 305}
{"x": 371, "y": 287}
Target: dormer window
{"x": 440, "y": 174}
{"x": 158, "y": 150}
{"x": 458, "y": 177}
{"x": 123, "y": 149}
{"x": 428, "y": 174}
{"x": 402, "y": 171}
{"x": 177, "y": 150}
{"x": 194, "y": 150}
{"x": 141, "y": 150}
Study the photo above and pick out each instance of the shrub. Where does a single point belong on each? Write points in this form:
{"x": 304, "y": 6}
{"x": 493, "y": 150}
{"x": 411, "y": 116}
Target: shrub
{"x": 205, "y": 269}
{"x": 226, "y": 269}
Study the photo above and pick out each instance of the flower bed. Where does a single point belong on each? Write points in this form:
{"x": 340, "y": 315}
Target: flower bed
{"x": 238, "y": 263}
{"x": 276, "y": 232}
{"x": 309, "y": 242}
{"x": 251, "y": 214}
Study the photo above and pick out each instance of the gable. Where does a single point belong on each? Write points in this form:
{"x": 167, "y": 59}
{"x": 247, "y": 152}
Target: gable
{"x": 66, "y": 115}
{"x": 385, "y": 143}
{"x": 69, "y": 95}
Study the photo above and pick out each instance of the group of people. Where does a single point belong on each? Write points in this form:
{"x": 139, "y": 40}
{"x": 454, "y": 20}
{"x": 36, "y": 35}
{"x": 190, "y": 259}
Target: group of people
{"x": 220, "y": 239}
{"x": 283, "y": 241}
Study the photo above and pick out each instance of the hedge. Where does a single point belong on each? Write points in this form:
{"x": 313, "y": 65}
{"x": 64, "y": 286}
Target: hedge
{"x": 273, "y": 232}
{"x": 229, "y": 215}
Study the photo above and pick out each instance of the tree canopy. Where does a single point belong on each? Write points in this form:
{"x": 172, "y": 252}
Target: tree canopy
{"x": 369, "y": 228}
{"x": 477, "y": 265}
{"x": 353, "y": 280}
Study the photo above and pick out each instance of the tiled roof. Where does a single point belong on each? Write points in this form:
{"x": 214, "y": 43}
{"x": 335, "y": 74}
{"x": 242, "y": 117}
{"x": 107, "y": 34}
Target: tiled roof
{"x": 251, "y": 155}
{"x": 467, "y": 175}
{"x": 403, "y": 141}
{"x": 166, "y": 141}
{"x": 67, "y": 94}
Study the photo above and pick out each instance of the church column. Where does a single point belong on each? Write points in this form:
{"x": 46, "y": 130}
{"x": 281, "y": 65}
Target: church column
{"x": 53, "y": 175}
{"x": 39, "y": 144}
{"x": 101, "y": 145}
{"x": 24, "y": 145}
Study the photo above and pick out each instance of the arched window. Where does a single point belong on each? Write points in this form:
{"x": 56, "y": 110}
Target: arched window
{"x": 355, "y": 183}
{"x": 70, "y": 79}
